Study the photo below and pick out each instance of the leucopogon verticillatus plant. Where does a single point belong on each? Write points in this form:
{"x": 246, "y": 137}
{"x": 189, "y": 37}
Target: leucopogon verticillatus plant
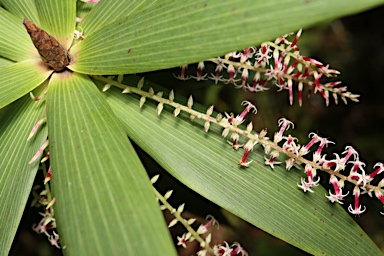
{"x": 278, "y": 62}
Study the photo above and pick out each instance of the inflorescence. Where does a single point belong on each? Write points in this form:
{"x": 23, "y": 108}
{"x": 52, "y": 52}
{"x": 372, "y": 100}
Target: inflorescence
{"x": 43, "y": 199}
{"x": 278, "y": 62}
{"x": 192, "y": 235}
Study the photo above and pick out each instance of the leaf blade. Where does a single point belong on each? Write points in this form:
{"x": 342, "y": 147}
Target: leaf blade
{"x": 5, "y": 62}
{"x": 23, "y": 9}
{"x": 171, "y": 34}
{"x": 106, "y": 12}
{"x": 104, "y": 201}
{"x": 12, "y": 27}
{"x": 20, "y": 78}
{"x": 58, "y": 19}
{"x": 16, "y": 174}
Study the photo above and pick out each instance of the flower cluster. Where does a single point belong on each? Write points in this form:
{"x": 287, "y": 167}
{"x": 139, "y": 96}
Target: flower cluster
{"x": 279, "y": 63}
{"x": 192, "y": 235}
{"x": 289, "y": 146}
{"x": 356, "y": 174}
{"x": 47, "y": 225}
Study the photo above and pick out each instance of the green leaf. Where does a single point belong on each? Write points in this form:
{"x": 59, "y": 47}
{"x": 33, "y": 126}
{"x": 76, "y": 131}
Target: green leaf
{"x": 16, "y": 174}
{"x": 267, "y": 198}
{"x": 173, "y": 33}
{"x": 22, "y": 9}
{"x": 58, "y": 19}
{"x": 12, "y": 29}
{"x": 20, "y": 78}
{"x": 5, "y": 62}
{"x": 106, "y": 12}
{"x": 105, "y": 204}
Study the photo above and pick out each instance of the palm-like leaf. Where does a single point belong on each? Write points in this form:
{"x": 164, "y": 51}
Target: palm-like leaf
{"x": 170, "y": 34}
{"x": 16, "y": 174}
{"x": 104, "y": 198}
{"x": 20, "y": 78}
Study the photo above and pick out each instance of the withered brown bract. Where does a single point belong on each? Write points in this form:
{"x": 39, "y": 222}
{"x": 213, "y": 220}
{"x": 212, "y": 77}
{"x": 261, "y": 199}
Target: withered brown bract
{"x": 50, "y": 50}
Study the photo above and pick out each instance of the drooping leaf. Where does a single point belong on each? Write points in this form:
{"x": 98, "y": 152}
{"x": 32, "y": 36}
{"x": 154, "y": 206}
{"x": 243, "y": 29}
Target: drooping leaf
{"x": 269, "y": 199}
{"x": 105, "y": 204}
{"x": 20, "y": 78}
{"x": 12, "y": 30}
{"x": 58, "y": 19}
{"x": 173, "y": 33}
{"x": 16, "y": 174}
